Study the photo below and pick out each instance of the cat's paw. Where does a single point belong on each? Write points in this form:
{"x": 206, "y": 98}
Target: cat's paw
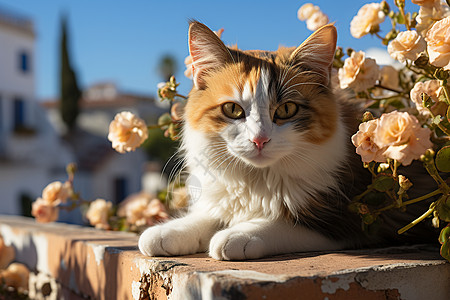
{"x": 162, "y": 240}
{"x": 231, "y": 245}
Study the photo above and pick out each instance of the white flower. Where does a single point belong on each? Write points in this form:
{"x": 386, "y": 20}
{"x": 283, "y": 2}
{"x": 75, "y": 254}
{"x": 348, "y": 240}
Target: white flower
{"x": 407, "y": 45}
{"x": 127, "y": 132}
{"x": 438, "y": 39}
{"x": 306, "y": 11}
{"x": 365, "y": 145}
{"x": 57, "y": 192}
{"x": 317, "y": 20}
{"x": 368, "y": 18}
{"x": 358, "y": 72}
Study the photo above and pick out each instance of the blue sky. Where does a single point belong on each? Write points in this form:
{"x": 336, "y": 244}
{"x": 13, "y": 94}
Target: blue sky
{"x": 122, "y": 40}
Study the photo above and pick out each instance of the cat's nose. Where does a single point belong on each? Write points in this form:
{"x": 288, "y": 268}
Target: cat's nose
{"x": 260, "y": 141}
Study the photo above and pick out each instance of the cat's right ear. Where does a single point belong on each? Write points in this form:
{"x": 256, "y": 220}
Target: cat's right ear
{"x": 207, "y": 50}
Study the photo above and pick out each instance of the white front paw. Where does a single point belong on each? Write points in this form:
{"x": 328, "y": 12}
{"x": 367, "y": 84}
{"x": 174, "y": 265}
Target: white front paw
{"x": 230, "y": 245}
{"x": 162, "y": 240}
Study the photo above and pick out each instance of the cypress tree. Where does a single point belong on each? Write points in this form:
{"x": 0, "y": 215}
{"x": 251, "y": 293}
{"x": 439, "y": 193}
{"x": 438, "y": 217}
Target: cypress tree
{"x": 70, "y": 94}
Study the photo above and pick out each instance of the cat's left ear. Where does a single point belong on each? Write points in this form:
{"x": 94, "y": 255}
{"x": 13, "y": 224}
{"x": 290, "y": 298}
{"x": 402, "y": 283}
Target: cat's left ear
{"x": 207, "y": 50}
{"x": 317, "y": 51}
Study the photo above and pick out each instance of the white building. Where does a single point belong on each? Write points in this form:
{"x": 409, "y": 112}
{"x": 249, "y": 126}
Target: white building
{"x": 31, "y": 153}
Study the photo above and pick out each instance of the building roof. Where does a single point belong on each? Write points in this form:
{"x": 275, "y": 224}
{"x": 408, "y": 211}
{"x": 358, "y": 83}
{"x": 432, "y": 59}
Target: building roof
{"x": 15, "y": 21}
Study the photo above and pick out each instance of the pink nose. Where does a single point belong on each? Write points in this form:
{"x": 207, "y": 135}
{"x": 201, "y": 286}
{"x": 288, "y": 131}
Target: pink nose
{"x": 260, "y": 141}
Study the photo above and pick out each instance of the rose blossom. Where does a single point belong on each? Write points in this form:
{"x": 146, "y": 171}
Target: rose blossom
{"x": 16, "y": 275}
{"x": 428, "y": 15}
{"x": 98, "y": 213}
{"x": 438, "y": 39}
{"x": 142, "y": 209}
{"x": 56, "y": 192}
{"x": 427, "y": 3}
{"x": 177, "y": 110}
{"x": 7, "y": 254}
{"x": 306, "y": 11}
{"x": 317, "y": 20}
{"x": 368, "y": 17}
{"x": 403, "y": 137}
{"x": 127, "y": 132}
{"x": 365, "y": 145}
{"x": 407, "y": 45}
{"x": 389, "y": 77}
{"x": 43, "y": 211}
{"x": 358, "y": 72}
{"x": 432, "y": 88}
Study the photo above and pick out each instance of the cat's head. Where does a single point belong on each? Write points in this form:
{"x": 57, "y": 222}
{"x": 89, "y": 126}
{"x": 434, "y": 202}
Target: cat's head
{"x": 261, "y": 107}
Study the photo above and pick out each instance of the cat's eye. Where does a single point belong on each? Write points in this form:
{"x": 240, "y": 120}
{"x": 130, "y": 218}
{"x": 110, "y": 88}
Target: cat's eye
{"x": 233, "y": 110}
{"x": 286, "y": 110}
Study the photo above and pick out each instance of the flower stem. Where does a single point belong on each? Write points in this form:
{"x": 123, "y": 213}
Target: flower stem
{"x": 446, "y": 92}
{"x": 421, "y": 198}
{"x": 418, "y": 220}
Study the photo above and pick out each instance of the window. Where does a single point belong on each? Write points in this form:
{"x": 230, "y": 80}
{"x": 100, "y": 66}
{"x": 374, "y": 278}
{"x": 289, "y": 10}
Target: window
{"x": 120, "y": 189}
{"x": 19, "y": 114}
{"x": 24, "y": 62}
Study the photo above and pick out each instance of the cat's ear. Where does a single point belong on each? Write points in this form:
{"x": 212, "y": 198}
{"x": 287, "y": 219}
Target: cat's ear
{"x": 207, "y": 52}
{"x": 317, "y": 51}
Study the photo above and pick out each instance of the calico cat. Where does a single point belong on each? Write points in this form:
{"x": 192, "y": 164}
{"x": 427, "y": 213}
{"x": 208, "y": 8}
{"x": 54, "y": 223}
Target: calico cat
{"x": 266, "y": 138}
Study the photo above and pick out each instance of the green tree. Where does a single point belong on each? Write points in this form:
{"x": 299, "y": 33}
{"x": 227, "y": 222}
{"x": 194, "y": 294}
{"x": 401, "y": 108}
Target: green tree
{"x": 167, "y": 66}
{"x": 70, "y": 93}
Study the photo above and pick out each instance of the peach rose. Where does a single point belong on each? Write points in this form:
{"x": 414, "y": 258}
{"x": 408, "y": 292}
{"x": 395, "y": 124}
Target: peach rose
{"x": 428, "y": 15}
{"x": 426, "y": 2}
{"x": 98, "y": 213}
{"x": 142, "y": 209}
{"x": 358, "y": 72}
{"x": 16, "y": 276}
{"x": 306, "y": 11}
{"x": 317, "y": 20}
{"x": 368, "y": 18}
{"x": 127, "y": 132}
{"x": 432, "y": 88}
{"x": 438, "y": 39}
{"x": 43, "y": 211}
{"x": 402, "y": 136}
{"x": 407, "y": 45}
{"x": 57, "y": 192}
{"x": 365, "y": 145}
{"x": 7, "y": 254}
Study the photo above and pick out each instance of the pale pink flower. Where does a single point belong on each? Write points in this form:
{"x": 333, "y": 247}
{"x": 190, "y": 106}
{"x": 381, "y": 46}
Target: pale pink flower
{"x": 127, "y": 132}
{"x": 438, "y": 44}
{"x": 142, "y": 210}
{"x": 7, "y": 254}
{"x": 358, "y": 72}
{"x": 365, "y": 145}
{"x": 402, "y": 136}
{"x": 98, "y": 213}
{"x": 57, "y": 192}
{"x": 432, "y": 88}
{"x": 306, "y": 11}
{"x": 16, "y": 276}
{"x": 407, "y": 45}
{"x": 44, "y": 211}
{"x": 428, "y": 15}
{"x": 317, "y": 20}
{"x": 367, "y": 19}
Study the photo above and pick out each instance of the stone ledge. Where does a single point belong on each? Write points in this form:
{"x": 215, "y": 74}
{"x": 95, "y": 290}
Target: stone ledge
{"x": 73, "y": 262}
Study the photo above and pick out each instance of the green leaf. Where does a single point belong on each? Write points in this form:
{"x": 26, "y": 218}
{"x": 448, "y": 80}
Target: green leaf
{"x": 443, "y": 209}
{"x": 443, "y": 159}
{"x": 445, "y": 234}
{"x": 383, "y": 183}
